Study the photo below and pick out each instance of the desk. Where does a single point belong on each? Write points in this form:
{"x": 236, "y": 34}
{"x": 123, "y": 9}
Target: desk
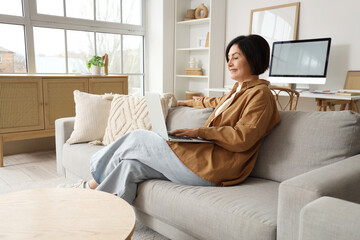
{"x": 323, "y": 100}
{"x": 329, "y": 100}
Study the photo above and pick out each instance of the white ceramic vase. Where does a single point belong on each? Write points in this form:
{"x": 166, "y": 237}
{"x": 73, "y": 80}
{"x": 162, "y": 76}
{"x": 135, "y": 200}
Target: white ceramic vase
{"x": 95, "y": 70}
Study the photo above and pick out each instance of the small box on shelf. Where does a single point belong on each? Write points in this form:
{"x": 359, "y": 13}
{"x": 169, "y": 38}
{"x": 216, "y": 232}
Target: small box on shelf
{"x": 194, "y": 71}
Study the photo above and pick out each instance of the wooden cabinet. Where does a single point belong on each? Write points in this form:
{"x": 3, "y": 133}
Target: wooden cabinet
{"x": 59, "y": 97}
{"x": 21, "y": 104}
{"x": 189, "y": 38}
{"x": 29, "y": 105}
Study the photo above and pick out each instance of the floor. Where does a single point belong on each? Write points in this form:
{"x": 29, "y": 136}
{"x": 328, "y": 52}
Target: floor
{"x": 28, "y": 171}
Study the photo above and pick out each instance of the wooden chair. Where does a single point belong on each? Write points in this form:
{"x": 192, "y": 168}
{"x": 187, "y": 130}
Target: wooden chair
{"x": 283, "y": 91}
{"x": 352, "y": 83}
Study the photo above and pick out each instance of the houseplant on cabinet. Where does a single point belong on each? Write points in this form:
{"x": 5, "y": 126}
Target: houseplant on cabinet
{"x": 95, "y": 63}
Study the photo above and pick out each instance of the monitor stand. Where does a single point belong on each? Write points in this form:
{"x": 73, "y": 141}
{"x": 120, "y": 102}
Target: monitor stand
{"x": 300, "y": 87}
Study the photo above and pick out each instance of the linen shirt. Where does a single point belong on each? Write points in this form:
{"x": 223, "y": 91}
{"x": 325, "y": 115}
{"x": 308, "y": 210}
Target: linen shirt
{"x": 236, "y": 133}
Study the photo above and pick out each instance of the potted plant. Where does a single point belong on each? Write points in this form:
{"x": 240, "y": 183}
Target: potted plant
{"x": 95, "y": 63}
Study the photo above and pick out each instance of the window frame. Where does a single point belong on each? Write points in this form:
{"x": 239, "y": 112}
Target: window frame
{"x": 32, "y": 19}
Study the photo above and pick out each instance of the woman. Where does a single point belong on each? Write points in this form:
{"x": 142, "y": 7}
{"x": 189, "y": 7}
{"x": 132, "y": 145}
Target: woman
{"x": 237, "y": 127}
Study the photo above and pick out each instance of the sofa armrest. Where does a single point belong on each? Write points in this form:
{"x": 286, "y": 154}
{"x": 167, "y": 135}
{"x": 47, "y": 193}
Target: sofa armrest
{"x": 63, "y": 130}
{"x": 330, "y": 218}
{"x": 339, "y": 180}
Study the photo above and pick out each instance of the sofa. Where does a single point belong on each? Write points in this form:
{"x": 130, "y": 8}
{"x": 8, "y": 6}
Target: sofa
{"x": 331, "y": 219}
{"x": 307, "y": 155}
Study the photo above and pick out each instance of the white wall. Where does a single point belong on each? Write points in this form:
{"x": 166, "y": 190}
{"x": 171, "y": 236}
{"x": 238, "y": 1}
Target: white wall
{"x": 318, "y": 18}
{"x": 159, "y": 45}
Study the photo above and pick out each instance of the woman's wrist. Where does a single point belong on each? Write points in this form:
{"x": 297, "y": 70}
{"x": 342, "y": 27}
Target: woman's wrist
{"x": 183, "y": 102}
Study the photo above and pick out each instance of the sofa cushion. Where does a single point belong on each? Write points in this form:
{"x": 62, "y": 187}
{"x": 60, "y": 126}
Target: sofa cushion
{"x": 128, "y": 113}
{"x": 246, "y": 211}
{"x": 304, "y": 141}
{"x": 187, "y": 117}
{"x": 76, "y": 159}
{"x": 92, "y": 112}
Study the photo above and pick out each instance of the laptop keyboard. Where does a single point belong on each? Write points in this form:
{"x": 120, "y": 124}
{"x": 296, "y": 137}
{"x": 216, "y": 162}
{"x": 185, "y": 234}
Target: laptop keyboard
{"x": 178, "y": 137}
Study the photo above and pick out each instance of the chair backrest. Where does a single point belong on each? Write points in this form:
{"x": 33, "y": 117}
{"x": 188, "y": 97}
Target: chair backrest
{"x": 283, "y": 91}
{"x": 352, "y": 80}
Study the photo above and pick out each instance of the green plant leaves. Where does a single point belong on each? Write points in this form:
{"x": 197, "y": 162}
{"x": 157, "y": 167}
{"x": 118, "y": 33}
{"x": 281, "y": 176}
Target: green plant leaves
{"x": 96, "y": 61}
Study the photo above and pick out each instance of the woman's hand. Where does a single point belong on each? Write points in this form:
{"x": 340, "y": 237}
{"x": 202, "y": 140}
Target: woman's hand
{"x": 183, "y": 102}
{"x": 188, "y": 132}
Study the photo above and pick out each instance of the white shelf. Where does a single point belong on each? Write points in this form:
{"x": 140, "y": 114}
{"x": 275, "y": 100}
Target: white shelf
{"x": 192, "y": 49}
{"x": 195, "y": 22}
{"x": 187, "y": 36}
{"x": 192, "y": 76}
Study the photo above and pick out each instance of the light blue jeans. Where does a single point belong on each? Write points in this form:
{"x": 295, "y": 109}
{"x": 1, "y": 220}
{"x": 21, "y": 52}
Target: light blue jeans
{"x": 135, "y": 157}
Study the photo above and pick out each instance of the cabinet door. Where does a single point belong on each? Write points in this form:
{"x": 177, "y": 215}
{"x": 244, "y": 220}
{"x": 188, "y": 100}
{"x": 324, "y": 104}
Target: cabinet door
{"x": 21, "y": 104}
{"x": 59, "y": 97}
{"x": 101, "y": 85}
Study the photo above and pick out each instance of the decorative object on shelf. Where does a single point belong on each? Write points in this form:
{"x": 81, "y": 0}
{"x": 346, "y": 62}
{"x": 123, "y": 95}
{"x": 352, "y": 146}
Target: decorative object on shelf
{"x": 201, "y": 12}
{"x": 95, "y": 63}
{"x": 207, "y": 44}
{"x": 192, "y": 95}
{"x": 192, "y": 63}
{"x": 193, "y": 68}
{"x": 193, "y": 71}
{"x": 201, "y": 42}
{"x": 105, "y": 59}
{"x": 190, "y": 14}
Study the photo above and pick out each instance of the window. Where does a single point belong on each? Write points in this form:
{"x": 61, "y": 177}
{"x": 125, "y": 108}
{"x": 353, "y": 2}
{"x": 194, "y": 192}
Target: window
{"x": 13, "y": 7}
{"x": 49, "y": 46}
{"x": 12, "y": 48}
{"x": 58, "y": 36}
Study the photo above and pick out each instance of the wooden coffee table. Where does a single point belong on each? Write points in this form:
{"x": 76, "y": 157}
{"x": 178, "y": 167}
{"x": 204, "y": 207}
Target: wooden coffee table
{"x": 65, "y": 213}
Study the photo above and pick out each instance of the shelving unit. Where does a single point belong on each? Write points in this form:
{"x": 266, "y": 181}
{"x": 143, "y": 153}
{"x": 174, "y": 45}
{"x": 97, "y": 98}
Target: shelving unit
{"x": 211, "y": 59}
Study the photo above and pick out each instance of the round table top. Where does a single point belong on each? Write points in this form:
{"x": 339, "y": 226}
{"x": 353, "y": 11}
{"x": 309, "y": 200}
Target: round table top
{"x": 65, "y": 213}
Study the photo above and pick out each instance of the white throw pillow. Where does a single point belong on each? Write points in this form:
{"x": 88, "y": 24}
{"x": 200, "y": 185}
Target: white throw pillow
{"x": 128, "y": 113}
{"x": 92, "y": 112}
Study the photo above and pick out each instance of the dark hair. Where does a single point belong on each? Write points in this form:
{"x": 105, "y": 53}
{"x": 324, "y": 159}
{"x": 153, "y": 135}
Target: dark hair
{"x": 256, "y": 51}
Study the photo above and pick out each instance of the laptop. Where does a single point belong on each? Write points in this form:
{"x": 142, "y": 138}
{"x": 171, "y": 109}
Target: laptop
{"x": 158, "y": 121}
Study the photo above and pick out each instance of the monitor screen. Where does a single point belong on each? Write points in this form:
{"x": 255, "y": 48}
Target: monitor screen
{"x": 300, "y": 61}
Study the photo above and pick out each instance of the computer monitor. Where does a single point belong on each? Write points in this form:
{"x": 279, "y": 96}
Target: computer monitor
{"x": 300, "y": 61}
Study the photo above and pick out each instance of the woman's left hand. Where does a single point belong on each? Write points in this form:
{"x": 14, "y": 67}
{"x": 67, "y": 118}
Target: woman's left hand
{"x": 189, "y": 132}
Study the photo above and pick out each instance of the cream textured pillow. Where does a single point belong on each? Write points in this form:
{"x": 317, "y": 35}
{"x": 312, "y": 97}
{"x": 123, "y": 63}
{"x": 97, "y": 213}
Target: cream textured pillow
{"x": 92, "y": 112}
{"x": 128, "y": 113}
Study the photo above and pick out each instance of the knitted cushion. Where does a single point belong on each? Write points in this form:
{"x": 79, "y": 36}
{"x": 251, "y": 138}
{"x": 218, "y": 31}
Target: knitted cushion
{"x": 128, "y": 113}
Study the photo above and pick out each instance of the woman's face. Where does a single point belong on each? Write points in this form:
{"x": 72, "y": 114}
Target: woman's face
{"x": 238, "y": 65}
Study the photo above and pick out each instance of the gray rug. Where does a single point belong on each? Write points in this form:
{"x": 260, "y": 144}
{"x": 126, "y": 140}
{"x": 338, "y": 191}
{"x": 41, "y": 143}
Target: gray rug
{"x": 141, "y": 231}
{"x": 144, "y": 233}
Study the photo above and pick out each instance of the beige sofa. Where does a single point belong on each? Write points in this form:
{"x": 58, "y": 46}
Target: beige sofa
{"x": 331, "y": 219}
{"x": 307, "y": 156}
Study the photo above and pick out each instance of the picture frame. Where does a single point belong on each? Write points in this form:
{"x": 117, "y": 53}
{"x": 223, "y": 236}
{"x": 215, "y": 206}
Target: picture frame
{"x": 207, "y": 44}
{"x": 276, "y": 23}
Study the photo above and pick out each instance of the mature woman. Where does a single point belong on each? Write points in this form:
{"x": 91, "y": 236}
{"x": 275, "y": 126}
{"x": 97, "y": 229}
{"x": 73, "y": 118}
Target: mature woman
{"x": 237, "y": 127}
